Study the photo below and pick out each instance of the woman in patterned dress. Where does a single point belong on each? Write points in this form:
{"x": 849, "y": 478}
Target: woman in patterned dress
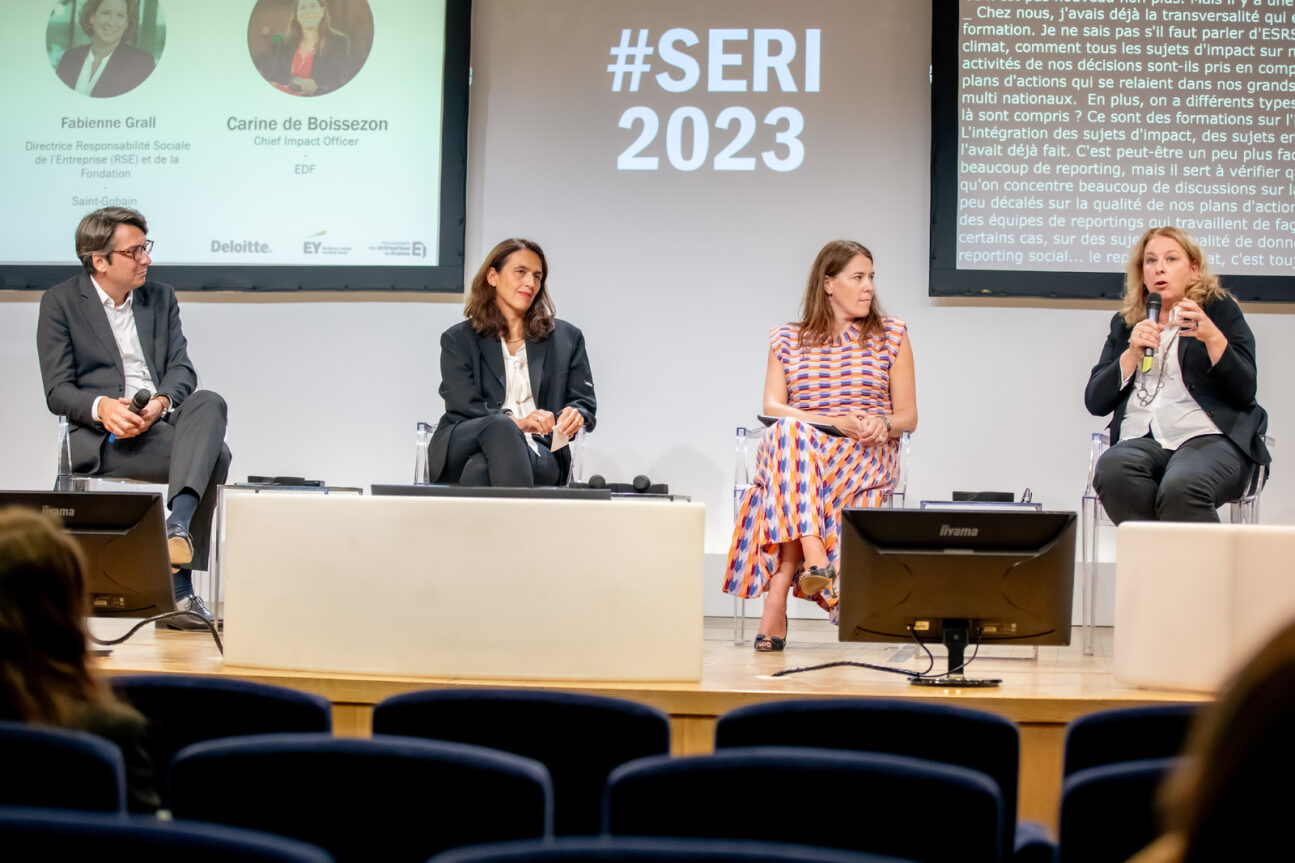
{"x": 845, "y": 364}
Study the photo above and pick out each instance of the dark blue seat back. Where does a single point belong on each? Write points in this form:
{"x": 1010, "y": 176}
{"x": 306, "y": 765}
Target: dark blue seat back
{"x": 1127, "y": 734}
{"x": 639, "y": 849}
{"x": 1109, "y": 813}
{"x": 859, "y": 801}
{"x": 185, "y": 709}
{"x": 389, "y": 798}
{"x": 961, "y": 736}
{"x": 579, "y": 738}
{"x": 54, "y": 767}
{"x": 62, "y": 835}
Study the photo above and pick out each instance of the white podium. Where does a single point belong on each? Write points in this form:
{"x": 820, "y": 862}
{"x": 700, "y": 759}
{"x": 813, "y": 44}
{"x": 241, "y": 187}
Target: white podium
{"x": 465, "y": 587}
{"x": 1194, "y": 601}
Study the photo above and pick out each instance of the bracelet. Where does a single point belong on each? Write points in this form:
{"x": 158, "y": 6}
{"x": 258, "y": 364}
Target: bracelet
{"x": 886, "y": 420}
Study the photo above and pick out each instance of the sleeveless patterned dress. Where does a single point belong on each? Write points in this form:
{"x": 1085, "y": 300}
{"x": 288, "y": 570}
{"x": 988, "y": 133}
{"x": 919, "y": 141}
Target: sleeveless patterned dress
{"x": 804, "y": 477}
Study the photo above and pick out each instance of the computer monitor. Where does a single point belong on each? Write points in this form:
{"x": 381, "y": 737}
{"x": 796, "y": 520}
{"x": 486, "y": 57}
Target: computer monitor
{"x": 123, "y": 537}
{"x": 956, "y": 578}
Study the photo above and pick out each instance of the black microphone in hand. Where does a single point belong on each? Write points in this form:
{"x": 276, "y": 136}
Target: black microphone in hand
{"x": 137, "y": 404}
{"x": 1153, "y": 315}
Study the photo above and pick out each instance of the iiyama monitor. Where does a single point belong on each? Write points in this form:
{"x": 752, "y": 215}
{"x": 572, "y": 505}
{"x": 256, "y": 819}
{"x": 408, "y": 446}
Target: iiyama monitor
{"x": 123, "y": 537}
{"x": 957, "y": 578}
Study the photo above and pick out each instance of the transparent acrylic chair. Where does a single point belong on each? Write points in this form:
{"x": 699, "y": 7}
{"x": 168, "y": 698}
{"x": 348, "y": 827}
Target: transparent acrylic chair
{"x": 66, "y": 480}
{"x": 1243, "y": 510}
{"x": 206, "y": 583}
{"x": 423, "y": 432}
{"x": 748, "y": 443}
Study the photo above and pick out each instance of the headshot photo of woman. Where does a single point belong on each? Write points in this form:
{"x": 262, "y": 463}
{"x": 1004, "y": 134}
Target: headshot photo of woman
{"x": 113, "y": 61}
{"x": 320, "y": 47}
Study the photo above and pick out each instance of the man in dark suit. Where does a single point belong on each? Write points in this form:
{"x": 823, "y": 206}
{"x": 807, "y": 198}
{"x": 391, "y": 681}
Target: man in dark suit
{"x": 105, "y": 335}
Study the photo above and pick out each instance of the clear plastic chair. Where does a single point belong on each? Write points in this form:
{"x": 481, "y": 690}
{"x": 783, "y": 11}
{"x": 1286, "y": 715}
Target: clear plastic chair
{"x": 423, "y": 432}
{"x": 1243, "y": 510}
{"x": 748, "y": 443}
{"x": 66, "y": 480}
{"x": 206, "y": 582}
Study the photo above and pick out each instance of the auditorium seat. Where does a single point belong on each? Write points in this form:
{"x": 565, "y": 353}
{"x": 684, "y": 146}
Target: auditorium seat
{"x": 62, "y": 835}
{"x": 57, "y": 768}
{"x": 186, "y": 709}
{"x": 389, "y": 798}
{"x": 1108, "y": 813}
{"x": 638, "y": 849}
{"x": 858, "y": 801}
{"x": 579, "y": 738}
{"x": 1127, "y": 734}
{"x": 944, "y": 733}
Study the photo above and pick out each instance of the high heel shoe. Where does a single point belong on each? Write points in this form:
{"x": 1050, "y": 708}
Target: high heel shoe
{"x": 814, "y": 580}
{"x": 771, "y": 643}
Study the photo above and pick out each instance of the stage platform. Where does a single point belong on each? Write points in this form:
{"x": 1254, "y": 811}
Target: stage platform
{"x": 1040, "y": 696}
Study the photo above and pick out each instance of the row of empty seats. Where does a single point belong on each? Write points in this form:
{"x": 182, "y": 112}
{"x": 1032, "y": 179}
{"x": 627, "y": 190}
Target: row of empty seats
{"x": 863, "y": 775}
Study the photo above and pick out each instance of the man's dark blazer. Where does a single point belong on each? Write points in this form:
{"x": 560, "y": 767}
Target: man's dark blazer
{"x": 473, "y": 382}
{"x": 1225, "y": 390}
{"x": 79, "y": 357}
{"x": 127, "y": 68}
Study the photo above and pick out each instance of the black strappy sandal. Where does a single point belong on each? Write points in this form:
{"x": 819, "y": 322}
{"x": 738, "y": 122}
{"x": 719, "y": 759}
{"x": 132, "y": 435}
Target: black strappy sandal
{"x": 770, "y": 643}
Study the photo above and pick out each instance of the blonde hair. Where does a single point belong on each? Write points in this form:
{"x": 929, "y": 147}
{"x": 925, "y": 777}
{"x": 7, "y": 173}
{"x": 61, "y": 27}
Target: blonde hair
{"x": 1205, "y": 288}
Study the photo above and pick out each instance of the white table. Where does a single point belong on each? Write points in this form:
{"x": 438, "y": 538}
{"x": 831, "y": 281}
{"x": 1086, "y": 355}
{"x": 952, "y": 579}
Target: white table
{"x": 465, "y": 587}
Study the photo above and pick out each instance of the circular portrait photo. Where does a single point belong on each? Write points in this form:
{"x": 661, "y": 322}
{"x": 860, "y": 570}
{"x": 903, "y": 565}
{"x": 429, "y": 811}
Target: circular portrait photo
{"x": 103, "y": 48}
{"x": 310, "y": 47}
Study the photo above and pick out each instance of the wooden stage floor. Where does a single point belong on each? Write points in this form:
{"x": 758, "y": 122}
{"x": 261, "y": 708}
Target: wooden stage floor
{"x": 1040, "y": 696}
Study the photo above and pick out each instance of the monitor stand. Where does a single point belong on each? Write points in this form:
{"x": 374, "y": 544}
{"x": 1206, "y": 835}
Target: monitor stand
{"x": 957, "y": 634}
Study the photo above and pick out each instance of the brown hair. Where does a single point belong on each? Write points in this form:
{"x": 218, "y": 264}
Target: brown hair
{"x": 44, "y": 673}
{"x": 816, "y": 318}
{"x": 132, "y": 19}
{"x": 1205, "y": 288}
{"x": 295, "y": 29}
{"x": 484, "y": 312}
{"x": 95, "y": 234}
{"x": 1221, "y": 801}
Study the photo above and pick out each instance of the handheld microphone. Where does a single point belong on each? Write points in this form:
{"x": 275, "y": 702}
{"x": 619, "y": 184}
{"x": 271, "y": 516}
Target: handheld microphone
{"x": 138, "y": 402}
{"x": 1153, "y": 315}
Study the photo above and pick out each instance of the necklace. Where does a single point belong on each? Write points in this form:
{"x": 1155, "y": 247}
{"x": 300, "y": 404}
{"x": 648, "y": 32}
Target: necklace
{"x": 1145, "y": 398}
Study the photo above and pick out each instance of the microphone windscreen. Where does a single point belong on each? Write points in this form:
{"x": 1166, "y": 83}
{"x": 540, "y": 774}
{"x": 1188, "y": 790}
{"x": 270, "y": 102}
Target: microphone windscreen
{"x": 140, "y": 400}
{"x": 1153, "y": 307}
{"x": 642, "y": 483}
{"x": 597, "y": 481}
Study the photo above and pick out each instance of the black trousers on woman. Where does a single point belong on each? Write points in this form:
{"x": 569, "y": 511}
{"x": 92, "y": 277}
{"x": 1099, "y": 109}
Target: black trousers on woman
{"x": 1139, "y": 480}
{"x": 492, "y": 451}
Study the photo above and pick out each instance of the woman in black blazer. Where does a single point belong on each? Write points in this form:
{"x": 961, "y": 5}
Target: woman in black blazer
{"x": 1186, "y": 430}
{"x": 111, "y": 26}
{"x": 512, "y": 376}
